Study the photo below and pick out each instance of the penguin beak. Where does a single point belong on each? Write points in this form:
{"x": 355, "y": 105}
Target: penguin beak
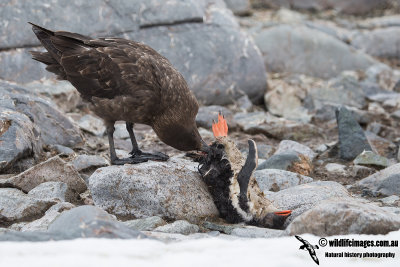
{"x": 279, "y": 218}
{"x": 283, "y": 212}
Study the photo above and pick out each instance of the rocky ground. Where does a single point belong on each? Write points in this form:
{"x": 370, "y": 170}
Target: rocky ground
{"x": 317, "y": 87}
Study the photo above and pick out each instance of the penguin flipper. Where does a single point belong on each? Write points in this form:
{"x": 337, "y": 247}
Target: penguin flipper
{"x": 246, "y": 172}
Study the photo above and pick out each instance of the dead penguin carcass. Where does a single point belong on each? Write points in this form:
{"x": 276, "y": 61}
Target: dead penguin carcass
{"x": 232, "y": 185}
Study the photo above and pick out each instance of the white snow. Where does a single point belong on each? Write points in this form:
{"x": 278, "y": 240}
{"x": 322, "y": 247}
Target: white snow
{"x": 201, "y": 252}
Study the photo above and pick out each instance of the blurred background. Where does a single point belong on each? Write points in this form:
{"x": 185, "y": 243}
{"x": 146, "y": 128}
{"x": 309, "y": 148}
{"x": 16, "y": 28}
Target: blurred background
{"x": 284, "y": 63}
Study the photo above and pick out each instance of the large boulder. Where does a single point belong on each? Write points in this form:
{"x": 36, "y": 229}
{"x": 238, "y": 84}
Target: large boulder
{"x": 382, "y": 43}
{"x": 384, "y": 183}
{"x": 18, "y": 136}
{"x": 172, "y": 190}
{"x": 350, "y": 7}
{"x": 89, "y": 221}
{"x": 27, "y": 122}
{"x": 200, "y": 38}
{"x": 55, "y": 127}
{"x": 343, "y": 217}
{"x": 17, "y": 206}
{"x": 303, "y": 197}
{"x": 276, "y": 180}
{"x": 299, "y": 49}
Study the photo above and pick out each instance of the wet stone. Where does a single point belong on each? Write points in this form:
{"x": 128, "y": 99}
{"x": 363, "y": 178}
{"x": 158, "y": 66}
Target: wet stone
{"x": 352, "y": 140}
{"x": 178, "y": 227}
{"x": 369, "y": 158}
{"x": 146, "y": 224}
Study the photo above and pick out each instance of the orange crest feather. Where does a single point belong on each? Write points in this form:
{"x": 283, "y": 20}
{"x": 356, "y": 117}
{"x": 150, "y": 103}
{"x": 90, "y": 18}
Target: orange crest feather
{"x": 220, "y": 128}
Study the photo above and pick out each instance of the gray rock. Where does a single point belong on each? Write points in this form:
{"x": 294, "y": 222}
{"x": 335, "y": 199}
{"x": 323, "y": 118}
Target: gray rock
{"x": 84, "y": 162}
{"x": 321, "y": 148}
{"x": 390, "y": 200}
{"x": 398, "y": 153}
{"x": 286, "y": 146}
{"x": 52, "y": 170}
{"x": 218, "y": 70}
{"x": 27, "y": 122}
{"x": 354, "y": 7}
{"x": 35, "y": 236}
{"x": 335, "y": 168}
{"x": 396, "y": 87}
{"x": 380, "y": 22}
{"x": 385, "y": 182}
{"x": 276, "y": 180}
{"x": 178, "y": 227}
{"x": 244, "y": 104}
{"x": 289, "y": 161}
{"x": 174, "y": 12}
{"x": 394, "y": 210}
{"x": 89, "y": 222}
{"x": 369, "y": 158}
{"x": 263, "y": 123}
{"x": 288, "y": 16}
{"x": 18, "y": 138}
{"x": 382, "y": 130}
{"x": 51, "y": 214}
{"x": 247, "y": 120}
{"x": 207, "y": 114}
{"x": 330, "y": 28}
{"x": 62, "y": 93}
{"x": 276, "y": 4}
{"x": 286, "y": 100}
{"x": 120, "y": 131}
{"x": 352, "y": 140}
{"x": 92, "y": 124}
{"x": 20, "y": 66}
{"x": 171, "y": 189}
{"x": 381, "y": 97}
{"x": 257, "y": 232}
{"x": 223, "y": 228}
{"x": 288, "y": 130}
{"x": 396, "y": 114}
{"x": 382, "y": 43}
{"x": 239, "y": 7}
{"x": 358, "y": 7}
{"x": 303, "y": 197}
{"x": 346, "y": 89}
{"x": 80, "y": 222}
{"x": 279, "y": 161}
{"x": 63, "y": 150}
{"x": 343, "y": 217}
{"x": 285, "y": 48}
{"x": 16, "y": 206}
{"x": 55, "y": 128}
{"x": 57, "y": 15}
{"x": 361, "y": 171}
{"x": 264, "y": 151}
{"x": 381, "y": 146}
{"x": 146, "y": 224}
{"x": 56, "y": 191}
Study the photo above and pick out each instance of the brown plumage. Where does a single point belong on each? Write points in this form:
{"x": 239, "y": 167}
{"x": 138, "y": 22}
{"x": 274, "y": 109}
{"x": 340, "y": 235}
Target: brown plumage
{"x": 128, "y": 81}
